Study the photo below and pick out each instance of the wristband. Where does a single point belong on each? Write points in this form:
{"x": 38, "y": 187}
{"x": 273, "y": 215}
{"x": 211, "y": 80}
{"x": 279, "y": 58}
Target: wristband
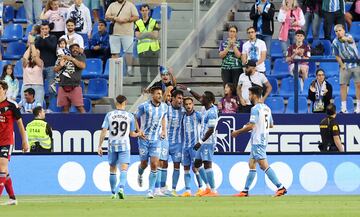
{"x": 201, "y": 142}
{"x": 188, "y": 89}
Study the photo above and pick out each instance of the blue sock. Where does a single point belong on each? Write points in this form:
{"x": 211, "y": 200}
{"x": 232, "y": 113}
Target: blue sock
{"x": 123, "y": 175}
{"x": 113, "y": 180}
{"x": 175, "y": 178}
{"x": 158, "y": 179}
{"x": 272, "y": 176}
{"x": 187, "y": 178}
{"x": 140, "y": 170}
{"x": 163, "y": 177}
{"x": 249, "y": 179}
{"x": 203, "y": 175}
{"x": 152, "y": 180}
{"x": 198, "y": 179}
{"x": 210, "y": 177}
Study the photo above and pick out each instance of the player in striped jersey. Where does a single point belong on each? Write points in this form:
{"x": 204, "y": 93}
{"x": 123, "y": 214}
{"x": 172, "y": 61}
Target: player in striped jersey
{"x": 191, "y": 123}
{"x": 172, "y": 145}
{"x": 121, "y": 124}
{"x": 260, "y": 122}
{"x": 152, "y": 115}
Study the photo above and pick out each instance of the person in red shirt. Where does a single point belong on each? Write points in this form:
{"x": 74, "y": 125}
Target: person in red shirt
{"x": 8, "y": 114}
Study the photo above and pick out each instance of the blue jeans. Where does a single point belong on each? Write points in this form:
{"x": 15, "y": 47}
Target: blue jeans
{"x": 314, "y": 20}
{"x": 49, "y": 75}
{"x": 290, "y": 41}
{"x": 267, "y": 39}
{"x": 33, "y": 7}
{"x": 39, "y": 92}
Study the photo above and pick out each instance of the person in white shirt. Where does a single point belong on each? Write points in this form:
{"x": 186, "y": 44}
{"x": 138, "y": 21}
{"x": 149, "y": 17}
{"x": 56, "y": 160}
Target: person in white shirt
{"x": 254, "y": 49}
{"x": 72, "y": 37}
{"x": 81, "y": 15}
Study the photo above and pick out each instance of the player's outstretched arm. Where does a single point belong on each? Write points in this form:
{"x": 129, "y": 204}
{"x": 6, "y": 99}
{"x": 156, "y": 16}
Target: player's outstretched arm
{"x": 101, "y": 140}
{"x": 246, "y": 128}
{"x": 25, "y": 145}
{"x": 195, "y": 95}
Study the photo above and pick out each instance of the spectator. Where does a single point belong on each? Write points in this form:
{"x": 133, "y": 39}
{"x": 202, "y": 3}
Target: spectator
{"x": 123, "y": 14}
{"x": 230, "y": 103}
{"x": 99, "y": 43}
{"x": 292, "y": 19}
{"x": 29, "y": 102}
{"x": 345, "y": 48}
{"x": 81, "y": 15}
{"x": 312, "y": 14}
{"x": 12, "y": 82}
{"x": 33, "y": 8}
{"x": 46, "y": 44}
{"x": 167, "y": 79}
{"x": 250, "y": 78}
{"x": 148, "y": 47}
{"x": 33, "y": 67}
{"x": 254, "y": 49}
{"x": 299, "y": 50}
{"x": 262, "y": 13}
{"x": 56, "y": 16}
{"x": 320, "y": 92}
{"x": 72, "y": 37}
{"x": 94, "y": 6}
{"x": 353, "y": 14}
{"x": 70, "y": 92}
{"x": 333, "y": 13}
{"x": 230, "y": 52}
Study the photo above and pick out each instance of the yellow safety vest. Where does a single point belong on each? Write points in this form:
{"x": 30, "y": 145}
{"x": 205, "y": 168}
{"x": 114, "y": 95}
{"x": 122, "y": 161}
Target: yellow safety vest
{"x": 36, "y": 132}
{"x": 147, "y": 43}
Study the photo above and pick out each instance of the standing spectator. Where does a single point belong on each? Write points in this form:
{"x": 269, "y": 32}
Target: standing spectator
{"x": 33, "y": 72}
{"x": 299, "y": 50}
{"x": 292, "y": 19}
{"x": 71, "y": 36}
{"x": 99, "y": 43}
{"x": 12, "y": 82}
{"x": 262, "y": 13}
{"x": 248, "y": 79}
{"x": 333, "y": 13}
{"x": 345, "y": 48}
{"x": 148, "y": 47}
{"x": 46, "y": 44}
{"x": 81, "y": 15}
{"x": 70, "y": 92}
{"x": 29, "y": 102}
{"x": 230, "y": 103}
{"x": 167, "y": 79}
{"x": 94, "y": 6}
{"x": 56, "y": 16}
{"x": 312, "y": 14}
{"x": 320, "y": 92}
{"x": 230, "y": 52}
{"x": 33, "y": 8}
{"x": 254, "y": 49}
{"x": 123, "y": 14}
{"x": 353, "y": 14}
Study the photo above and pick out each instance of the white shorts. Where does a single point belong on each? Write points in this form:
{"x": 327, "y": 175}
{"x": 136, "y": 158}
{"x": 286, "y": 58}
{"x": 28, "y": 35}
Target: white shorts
{"x": 123, "y": 42}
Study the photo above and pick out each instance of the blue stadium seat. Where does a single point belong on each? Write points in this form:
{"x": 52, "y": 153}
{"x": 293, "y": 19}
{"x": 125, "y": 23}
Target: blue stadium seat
{"x": 156, "y": 13}
{"x": 312, "y": 69}
{"x": 352, "y": 88}
{"x": 274, "y": 85}
{"x": 335, "y": 83}
{"x": 321, "y": 33}
{"x": 20, "y": 86}
{"x": 281, "y": 69}
{"x": 325, "y": 43}
{"x": 347, "y": 6}
{"x": 27, "y": 32}
{"x": 331, "y": 69}
{"x": 355, "y": 30}
{"x": 9, "y": 13}
{"x": 93, "y": 68}
{"x": 12, "y": 32}
{"x": 276, "y": 104}
{"x": 18, "y": 69}
{"x": 87, "y": 105}
{"x": 106, "y": 71}
{"x": 95, "y": 27}
{"x": 303, "y": 106}
{"x": 287, "y": 87}
{"x": 97, "y": 88}
{"x": 268, "y": 66}
{"x": 53, "y": 105}
{"x": 20, "y": 16}
{"x": 306, "y": 87}
{"x": 275, "y": 48}
{"x": 86, "y": 41}
{"x": 14, "y": 51}
{"x": 349, "y": 104}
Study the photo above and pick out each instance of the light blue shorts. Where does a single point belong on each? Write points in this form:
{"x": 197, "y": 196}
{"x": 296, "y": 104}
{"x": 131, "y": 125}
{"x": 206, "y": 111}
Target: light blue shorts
{"x": 92, "y": 4}
{"x": 149, "y": 149}
{"x": 205, "y": 152}
{"x": 164, "y": 153}
{"x": 175, "y": 151}
{"x": 119, "y": 158}
{"x": 123, "y": 42}
{"x": 188, "y": 156}
{"x": 258, "y": 152}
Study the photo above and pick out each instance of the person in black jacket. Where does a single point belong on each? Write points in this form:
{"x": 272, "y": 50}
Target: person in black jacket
{"x": 312, "y": 13}
{"x": 262, "y": 13}
{"x": 320, "y": 92}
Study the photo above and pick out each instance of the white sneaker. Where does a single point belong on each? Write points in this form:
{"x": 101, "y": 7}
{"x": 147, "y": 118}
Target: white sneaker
{"x": 357, "y": 111}
{"x": 10, "y": 202}
{"x": 344, "y": 111}
{"x": 140, "y": 180}
{"x": 158, "y": 193}
{"x": 150, "y": 195}
{"x": 166, "y": 192}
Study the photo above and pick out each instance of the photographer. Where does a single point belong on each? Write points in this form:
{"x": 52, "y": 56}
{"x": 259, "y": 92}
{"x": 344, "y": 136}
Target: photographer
{"x": 320, "y": 92}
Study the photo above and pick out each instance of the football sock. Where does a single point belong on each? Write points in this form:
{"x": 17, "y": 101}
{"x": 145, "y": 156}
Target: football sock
{"x": 343, "y": 105}
{"x": 203, "y": 175}
{"x": 175, "y": 178}
{"x": 358, "y": 105}
{"x": 152, "y": 180}
{"x": 249, "y": 179}
{"x": 9, "y": 187}
{"x": 158, "y": 178}
{"x": 140, "y": 171}
{"x": 163, "y": 177}
{"x": 123, "y": 175}
{"x": 198, "y": 179}
{"x": 272, "y": 176}
{"x": 187, "y": 179}
{"x": 2, "y": 181}
{"x": 113, "y": 181}
{"x": 210, "y": 177}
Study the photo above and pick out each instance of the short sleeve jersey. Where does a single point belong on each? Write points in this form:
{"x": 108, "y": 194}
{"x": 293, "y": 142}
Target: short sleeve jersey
{"x": 8, "y": 114}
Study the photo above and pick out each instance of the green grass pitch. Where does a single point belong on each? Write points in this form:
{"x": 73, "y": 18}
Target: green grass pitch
{"x": 225, "y": 206}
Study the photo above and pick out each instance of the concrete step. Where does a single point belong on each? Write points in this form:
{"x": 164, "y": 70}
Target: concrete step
{"x": 244, "y": 16}
{"x": 210, "y": 62}
{"x": 198, "y": 80}
{"x": 205, "y": 72}
{"x": 178, "y": 34}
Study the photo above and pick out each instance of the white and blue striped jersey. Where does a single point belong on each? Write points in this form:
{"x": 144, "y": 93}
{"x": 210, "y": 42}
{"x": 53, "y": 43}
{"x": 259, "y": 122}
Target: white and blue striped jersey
{"x": 262, "y": 118}
{"x": 191, "y": 125}
{"x": 119, "y": 123}
{"x": 346, "y": 50}
{"x": 174, "y": 118}
{"x": 150, "y": 119}
{"x": 26, "y": 107}
{"x": 209, "y": 120}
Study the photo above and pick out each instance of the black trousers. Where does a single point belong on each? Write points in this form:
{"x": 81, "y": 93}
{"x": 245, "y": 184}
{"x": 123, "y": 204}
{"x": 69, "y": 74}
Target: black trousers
{"x": 149, "y": 63}
{"x": 38, "y": 149}
{"x": 331, "y": 19}
{"x": 231, "y": 76}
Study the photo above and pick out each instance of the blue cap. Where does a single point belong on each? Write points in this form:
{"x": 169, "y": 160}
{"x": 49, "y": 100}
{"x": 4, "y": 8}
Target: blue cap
{"x": 164, "y": 70}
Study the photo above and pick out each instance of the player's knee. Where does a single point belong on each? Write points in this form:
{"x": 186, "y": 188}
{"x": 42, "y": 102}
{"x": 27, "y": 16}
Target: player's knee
{"x": 198, "y": 163}
{"x": 164, "y": 165}
{"x": 194, "y": 169}
{"x": 113, "y": 169}
{"x": 187, "y": 168}
{"x": 143, "y": 164}
{"x": 177, "y": 165}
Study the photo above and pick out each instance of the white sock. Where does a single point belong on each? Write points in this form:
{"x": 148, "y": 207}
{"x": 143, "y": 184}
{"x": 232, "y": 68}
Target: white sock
{"x": 343, "y": 106}
{"x": 358, "y": 105}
